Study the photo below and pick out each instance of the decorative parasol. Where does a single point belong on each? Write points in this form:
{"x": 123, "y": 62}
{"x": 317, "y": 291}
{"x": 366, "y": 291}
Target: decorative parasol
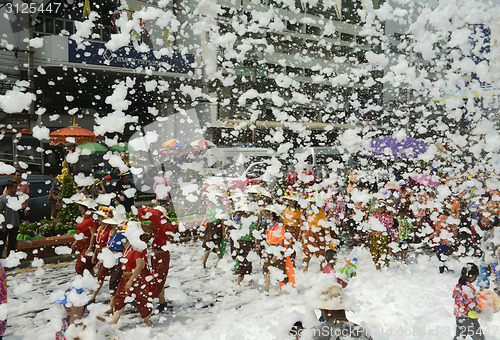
{"x": 80, "y": 135}
{"x": 171, "y": 152}
{"x": 121, "y": 147}
{"x": 174, "y": 144}
{"x": 95, "y": 148}
{"x": 391, "y": 146}
{"x": 202, "y": 144}
{"x": 425, "y": 180}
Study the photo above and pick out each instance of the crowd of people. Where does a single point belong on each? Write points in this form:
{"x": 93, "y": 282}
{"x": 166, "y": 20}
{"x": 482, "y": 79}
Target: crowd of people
{"x": 391, "y": 218}
{"x": 297, "y": 220}
{"x": 301, "y": 219}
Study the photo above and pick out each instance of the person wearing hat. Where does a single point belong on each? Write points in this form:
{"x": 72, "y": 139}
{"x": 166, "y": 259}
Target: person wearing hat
{"x": 122, "y": 191}
{"x": 335, "y": 208}
{"x": 274, "y": 254}
{"x": 106, "y": 185}
{"x": 214, "y": 227}
{"x": 292, "y": 220}
{"x": 243, "y": 233}
{"x": 115, "y": 244}
{"x": 154, "y": 221}
{"x": 102, "y": 237}
{"x": 75, "y": 305}
{"x": 318, "y": 227}
{"x": 135, "y": 282}
{"x": 381, "y": 234}
{"x": 333, "y": 304}
{"x": 85, "y": 238}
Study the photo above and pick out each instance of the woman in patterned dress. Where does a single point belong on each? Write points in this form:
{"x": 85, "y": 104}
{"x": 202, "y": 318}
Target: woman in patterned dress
{"x": 3, "y": 297}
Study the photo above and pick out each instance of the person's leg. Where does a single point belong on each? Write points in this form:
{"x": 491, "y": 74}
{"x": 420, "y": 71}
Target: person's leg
{"x": 116, "y": 316}
{"x": 306, "y": 256}
{"x": 441, "y": 255}
{"x": 3, "y": 240}
{"x": 467, "y": 327}
{"x": 161, "y": 265}
{"x": 11, "y": 245}
{"x": 478, "y": 331}
{"x": 205, "y": 258}
{"x": 119, "y": 299}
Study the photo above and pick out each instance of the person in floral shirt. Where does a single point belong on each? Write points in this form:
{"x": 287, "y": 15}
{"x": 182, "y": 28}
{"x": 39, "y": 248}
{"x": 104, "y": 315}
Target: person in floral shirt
{"x": 75, "y": 304}
{"x": 3, "y": 297}
{"x": 466, "y": 305}
{"x": 378, "y": 239}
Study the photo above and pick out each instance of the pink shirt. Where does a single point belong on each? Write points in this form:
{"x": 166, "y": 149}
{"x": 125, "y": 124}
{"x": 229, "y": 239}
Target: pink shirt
{"x": 328, "y": 271}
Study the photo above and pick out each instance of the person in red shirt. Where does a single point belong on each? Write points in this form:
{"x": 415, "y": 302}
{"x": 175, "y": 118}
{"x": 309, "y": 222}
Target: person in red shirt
{"x": 136, "y": 274}
{"x": 85, "y": 238}
{"x": 162, "y": 229}
{"x": 101, "y": 241}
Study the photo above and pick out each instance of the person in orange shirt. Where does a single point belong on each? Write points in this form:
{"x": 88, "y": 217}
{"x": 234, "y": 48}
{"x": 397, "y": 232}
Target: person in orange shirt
{"x": 274, "y": 255}
{"x": 292, "y": 220}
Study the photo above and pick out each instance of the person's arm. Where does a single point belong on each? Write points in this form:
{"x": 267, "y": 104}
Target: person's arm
{"x": 139, "y": 266}
{"x": 275, "y": 258}
{"x": 92, "y": 240}
{"x": 223, "y": 226}
{"x": 2, "y": 227}
{"x": 27, "y": 210}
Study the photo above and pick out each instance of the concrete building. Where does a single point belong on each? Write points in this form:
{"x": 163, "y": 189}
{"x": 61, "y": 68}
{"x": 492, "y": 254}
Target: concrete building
{"x": 72, "y": 84}
{"x": 288, "y": 67}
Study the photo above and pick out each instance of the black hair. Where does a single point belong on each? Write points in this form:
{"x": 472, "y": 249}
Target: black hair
{"x": 468, "y": 271}
{"x": 276, "y": 217}
{"x": 11, "y": 184}
{"x": 330, "y": 255}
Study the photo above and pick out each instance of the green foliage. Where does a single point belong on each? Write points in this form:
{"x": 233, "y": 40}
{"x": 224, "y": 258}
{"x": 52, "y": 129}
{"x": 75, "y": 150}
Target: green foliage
{"x": 44, "y": 228}
{"x": 67, "y": 212}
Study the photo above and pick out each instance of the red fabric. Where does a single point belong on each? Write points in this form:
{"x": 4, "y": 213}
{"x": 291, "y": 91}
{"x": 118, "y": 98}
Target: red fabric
{"x": 83, "y": 262}
{"x": 160, "y": 263}
{"x": 465, "y": 300}
{"x": 102, "y": 273}
{"x": 141, "y": 291}
{"x": 291, "y": 178}
{"x": 163, "y": 227}
{"x": 84, "y": 226}
{"x": 101, "y": 239}
{"x": 130, "y": 255}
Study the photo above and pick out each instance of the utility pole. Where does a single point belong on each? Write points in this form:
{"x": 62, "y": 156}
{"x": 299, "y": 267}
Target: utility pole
{"x": 408, "y": 90}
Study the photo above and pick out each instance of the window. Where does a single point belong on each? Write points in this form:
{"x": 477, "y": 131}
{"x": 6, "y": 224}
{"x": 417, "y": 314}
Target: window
{"x": 39, "y": 188}
{"x": 347, "y": 37}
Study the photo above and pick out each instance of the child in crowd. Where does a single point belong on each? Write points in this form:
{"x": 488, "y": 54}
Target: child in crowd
{"x": 466, "y": 305}
{"x": 331, "y": 261}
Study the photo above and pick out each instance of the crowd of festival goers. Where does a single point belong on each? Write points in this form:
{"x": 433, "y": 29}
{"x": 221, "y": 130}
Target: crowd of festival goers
{"x": 298, "y": 219}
